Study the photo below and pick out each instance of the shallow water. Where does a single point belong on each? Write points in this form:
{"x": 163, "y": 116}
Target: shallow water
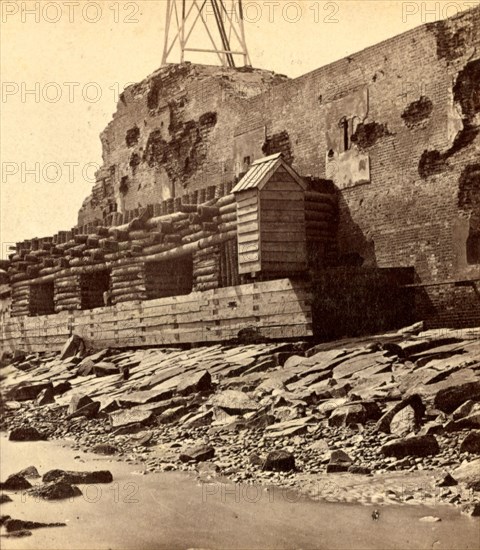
{"x": 172, "y": 510}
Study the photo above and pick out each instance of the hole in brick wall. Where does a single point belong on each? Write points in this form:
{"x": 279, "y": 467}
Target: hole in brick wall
{"x": 92, "y": 289}
{"x": 417, "y": 111}
{"x": 466, "y": 90}
{"x": 134, "y": 162}
{"x": 431, "y": 163}
{"x": 124, "y": 185}
{"x": 279, "y": 143}
{"x": 473, "y": 247}
{"x": 366, "y": 135}
{"x": 169, "y": 278}
{"x": 41, "y": 301}
{"x": 132, "y": 136}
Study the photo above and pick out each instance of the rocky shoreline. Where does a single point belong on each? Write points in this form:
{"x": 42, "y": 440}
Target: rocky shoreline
{"x": 393, "y": 418}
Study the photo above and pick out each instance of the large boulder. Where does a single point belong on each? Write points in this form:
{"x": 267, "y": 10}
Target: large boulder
{"x": 468, "y": 408}
{"x": 26, "y": 433}
{"x": 58, "y": 490}
{"x": 45, "y": 397}
{"x": 422, "y": 445}
{"x": 77, "y": 402}
{"x": 85, "y": 367}
{"x": 196, "y": 382}
{"x": 234, "y": 402}
{"x": 31, "y": 471}
{"x": 471, "y": 443}
{"x": 128, "y": 417}
{"x": 279, "y": 461}
{"x": 354, "y": 413}
{"x": 339, "y": 462}
{"x": 449, "y": 399}
{"x": 100, "y": 476}
{"x": 201, "y": 453}
{"x": 15, "y": 482}
{"x": 413, "y": 404}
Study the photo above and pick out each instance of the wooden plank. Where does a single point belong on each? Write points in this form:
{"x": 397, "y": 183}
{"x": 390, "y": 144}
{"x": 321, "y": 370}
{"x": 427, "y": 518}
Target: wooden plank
{"x": 248, "y": 227}
{"x": 273, "y": 185}
{"x": 292, "y": 203}
{"x": 285, "y": 217}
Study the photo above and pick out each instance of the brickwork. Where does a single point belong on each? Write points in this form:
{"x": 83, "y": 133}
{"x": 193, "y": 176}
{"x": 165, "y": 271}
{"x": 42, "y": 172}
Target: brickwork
{"x": 410, "y": 120}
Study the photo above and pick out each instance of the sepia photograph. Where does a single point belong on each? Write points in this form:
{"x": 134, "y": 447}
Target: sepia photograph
{"x": 239, "y": 275}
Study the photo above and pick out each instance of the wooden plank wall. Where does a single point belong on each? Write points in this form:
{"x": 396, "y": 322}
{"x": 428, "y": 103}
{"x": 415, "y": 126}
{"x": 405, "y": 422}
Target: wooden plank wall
{"x": 277, "y": 309}
{"x": 248, "y": 231}
{"x": 282, "y": 226}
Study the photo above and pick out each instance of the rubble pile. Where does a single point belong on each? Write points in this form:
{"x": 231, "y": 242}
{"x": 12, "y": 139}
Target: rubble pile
{"x": 401, "y": 406}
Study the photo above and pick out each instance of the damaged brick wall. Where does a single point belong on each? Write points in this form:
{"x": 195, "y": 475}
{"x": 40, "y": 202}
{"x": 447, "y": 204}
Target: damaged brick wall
{"x": 418, "y": 132}
{"x": 403, "y": 117}
{"x": 171, "y": 134}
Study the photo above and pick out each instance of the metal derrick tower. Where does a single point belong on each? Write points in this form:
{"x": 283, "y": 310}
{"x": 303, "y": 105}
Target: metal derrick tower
{"x": 221, "y": 21}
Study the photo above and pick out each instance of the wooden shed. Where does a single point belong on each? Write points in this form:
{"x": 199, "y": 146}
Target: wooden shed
{"x": 271, "y": 219}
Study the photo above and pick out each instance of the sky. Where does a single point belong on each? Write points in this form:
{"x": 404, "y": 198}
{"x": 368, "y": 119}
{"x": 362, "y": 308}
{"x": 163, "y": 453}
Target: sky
{"x": 64, "y": 63}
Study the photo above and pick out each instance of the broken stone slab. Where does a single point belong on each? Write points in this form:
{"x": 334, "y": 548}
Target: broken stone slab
{"x": 45, "y": 397}
{"x": 330, "y": 405}
{"x": 144, "y": 397}
{"x": 198, "y": 420}
{"x": 297, "y": 426}
{"x": 404, "y": 422}
{"x": 15, "y": 482}
{"x": 339, "y": 462}
{"x": 62, "y": 387}
{"x": 77, "y": 402}
{"x": 123, "y": 418}
{"x": 414, "y": 402}
{"x": 4, "y": 499}
{"x": 201, "y": 453}
{"x": 72, "y": 347}
{"x": 58, "y": 490}
{"x": 21, "y": 525}
{"x": 449, "y": 399}
{"x": 26, "y": 433}
{"x": 430, "y": 519}
{"x": 196, "y": 382}
{"x": 468, "y": 408}
{"x": 90, "y": 410}
{"x": 74, "y": 478}
{"x": 26, "y": 391}
{"x": 86, "y": 367}
{"x": 355, "y": 413}
{"x": 471, "y": 422}
{"x": 105, "y": 369}
{"x": 234, "y": 402}
{"x": 471, "y": 443}
{"x": 447, "y": 481}
{"x": 173, "y": 414}
{"x": 279, "y": 461}
{"x": 423, "y": 445}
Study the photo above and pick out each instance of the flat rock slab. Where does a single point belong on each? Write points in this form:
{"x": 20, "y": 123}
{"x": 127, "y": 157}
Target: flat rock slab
{"x": 422, "y": 445}
{"x": 144, "y": 397}
{"x": 232, "y": 400}
{"x": 122, "y": 418}
{"x": 201, "y": 453}
{"x": 100, "y": 476}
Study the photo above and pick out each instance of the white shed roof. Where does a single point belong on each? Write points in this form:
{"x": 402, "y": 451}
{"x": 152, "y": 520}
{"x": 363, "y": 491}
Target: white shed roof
{"x": 262, "y": 169}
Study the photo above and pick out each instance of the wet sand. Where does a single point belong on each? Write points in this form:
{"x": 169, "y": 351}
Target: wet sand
{"x": 172, "y": 510}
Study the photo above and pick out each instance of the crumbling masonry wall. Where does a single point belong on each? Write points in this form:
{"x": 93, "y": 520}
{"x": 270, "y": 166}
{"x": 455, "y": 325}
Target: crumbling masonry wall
{"x": 396, "y": 127}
